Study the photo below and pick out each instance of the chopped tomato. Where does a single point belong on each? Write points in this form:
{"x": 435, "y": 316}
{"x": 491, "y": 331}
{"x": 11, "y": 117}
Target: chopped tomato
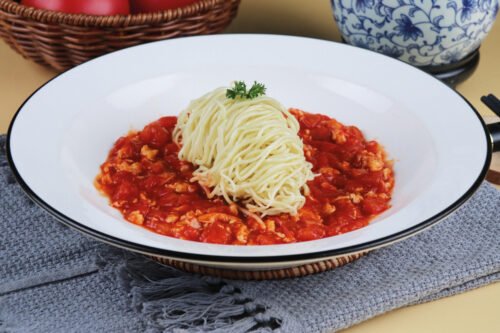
{"x": 216, "y": 232}
{"x": 155, "y": 135}
{"x": 311, "y": 232}
{"x": 374, "y": 206}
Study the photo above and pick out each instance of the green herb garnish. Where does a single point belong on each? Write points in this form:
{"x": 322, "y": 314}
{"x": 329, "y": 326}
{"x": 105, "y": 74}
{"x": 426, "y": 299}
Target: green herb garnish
{"x": 239, "y": 90}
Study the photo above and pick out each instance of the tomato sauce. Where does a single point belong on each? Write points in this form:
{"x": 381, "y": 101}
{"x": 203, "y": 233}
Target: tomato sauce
{"x": 146, "y": 181}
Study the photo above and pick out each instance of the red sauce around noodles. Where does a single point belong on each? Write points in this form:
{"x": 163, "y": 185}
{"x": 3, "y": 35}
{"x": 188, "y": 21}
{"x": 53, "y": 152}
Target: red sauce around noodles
{"x": 145, "y": 180}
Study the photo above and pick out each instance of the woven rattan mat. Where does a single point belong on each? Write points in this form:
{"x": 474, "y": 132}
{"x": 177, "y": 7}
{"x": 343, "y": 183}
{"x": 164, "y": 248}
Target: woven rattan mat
{"x": 275, "y": 274}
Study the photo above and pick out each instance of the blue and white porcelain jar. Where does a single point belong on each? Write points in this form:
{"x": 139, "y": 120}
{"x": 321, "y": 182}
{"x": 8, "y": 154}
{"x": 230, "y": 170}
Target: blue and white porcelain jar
{"x": 420, "y": 32}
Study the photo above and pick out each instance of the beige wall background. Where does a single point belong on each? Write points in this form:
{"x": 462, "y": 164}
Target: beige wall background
{"x": 474, "y": 311}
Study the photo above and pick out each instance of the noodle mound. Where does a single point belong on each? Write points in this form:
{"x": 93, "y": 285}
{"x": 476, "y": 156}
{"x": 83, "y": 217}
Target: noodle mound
{"x": 246, "y": 150}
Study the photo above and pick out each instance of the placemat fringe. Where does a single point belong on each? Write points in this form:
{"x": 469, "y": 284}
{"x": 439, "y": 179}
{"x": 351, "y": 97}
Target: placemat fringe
{"x": 170, "y": 300}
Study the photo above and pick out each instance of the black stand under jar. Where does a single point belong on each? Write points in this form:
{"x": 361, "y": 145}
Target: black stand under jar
{"x": 455, "y": 73}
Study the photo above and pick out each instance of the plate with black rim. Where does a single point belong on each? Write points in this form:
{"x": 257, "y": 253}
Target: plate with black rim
{"x": 63, "y": 132}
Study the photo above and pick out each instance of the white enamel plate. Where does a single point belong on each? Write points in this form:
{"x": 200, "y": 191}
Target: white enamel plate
{"x": 64, "y": 131}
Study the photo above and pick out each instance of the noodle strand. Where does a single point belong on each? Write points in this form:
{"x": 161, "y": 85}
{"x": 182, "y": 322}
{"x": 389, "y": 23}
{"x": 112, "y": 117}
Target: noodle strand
{"x": 246, "y": 150}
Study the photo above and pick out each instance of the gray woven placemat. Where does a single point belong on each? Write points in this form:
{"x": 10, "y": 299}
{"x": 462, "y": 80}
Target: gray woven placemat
{"x": 53, "y": 279}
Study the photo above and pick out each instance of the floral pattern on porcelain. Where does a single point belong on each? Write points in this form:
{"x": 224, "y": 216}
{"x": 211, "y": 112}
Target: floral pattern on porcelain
{"x": 421, "y": 32}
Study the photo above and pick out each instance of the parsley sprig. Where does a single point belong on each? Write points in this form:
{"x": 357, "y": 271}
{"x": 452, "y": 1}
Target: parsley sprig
{"x": 239, "y": 90}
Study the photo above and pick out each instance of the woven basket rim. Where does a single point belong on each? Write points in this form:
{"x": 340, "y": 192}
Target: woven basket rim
{"x": 85, "y": 20}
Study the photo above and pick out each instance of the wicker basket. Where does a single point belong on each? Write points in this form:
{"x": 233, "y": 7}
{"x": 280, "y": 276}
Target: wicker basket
{"x": 61, "y": 41}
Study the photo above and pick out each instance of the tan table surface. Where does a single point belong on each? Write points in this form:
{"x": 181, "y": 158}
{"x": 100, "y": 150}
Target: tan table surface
{"x": 473, "y": 311}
